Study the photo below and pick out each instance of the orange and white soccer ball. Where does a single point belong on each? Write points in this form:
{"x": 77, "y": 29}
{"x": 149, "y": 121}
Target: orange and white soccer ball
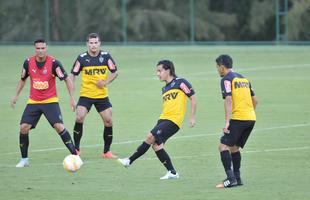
{"x": 72, "y": 163}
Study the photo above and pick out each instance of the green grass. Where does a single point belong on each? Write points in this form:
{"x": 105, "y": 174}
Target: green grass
{"x": 275, "y": 162}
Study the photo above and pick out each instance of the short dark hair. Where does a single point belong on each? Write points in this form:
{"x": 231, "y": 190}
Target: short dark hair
{"x": 225, "y": 60}
{"x": 40, "y": 40}
{"x": 167, "y": 64}
{"x": 93, "y": 35}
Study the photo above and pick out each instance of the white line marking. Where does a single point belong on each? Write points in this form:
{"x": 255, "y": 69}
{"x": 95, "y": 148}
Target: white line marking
{"x": 173, "y": 138}
{"x": 179, "y": 157}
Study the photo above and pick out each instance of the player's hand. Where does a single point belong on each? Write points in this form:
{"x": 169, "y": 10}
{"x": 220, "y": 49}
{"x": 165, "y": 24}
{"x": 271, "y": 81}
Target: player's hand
{"x": 101, "y": 83}
{"x": 225, "y": 129}
{"x": 72, "y": 104}
{"x": 13, "y": 102}
{"x": 192, "y": 122}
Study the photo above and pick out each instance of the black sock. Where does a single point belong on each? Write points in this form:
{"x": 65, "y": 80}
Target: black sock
{"x": 66, "y": 138}
{"x": 226, "y": 160}
{"x": 140, "y": 151}
{"x": 165, "y": 160}
{"x": 77, "y": 134}
{"x": 24, "y": 144}
{"x": 236, "y": 160}
{"x": 107, "y": 137}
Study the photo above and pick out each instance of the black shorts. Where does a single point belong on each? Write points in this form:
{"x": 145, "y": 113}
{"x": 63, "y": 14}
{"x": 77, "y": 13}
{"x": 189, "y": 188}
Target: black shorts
{"x": 100, "y": 104}
{"x": 33, "y": 112}
{"x": 239, "y": 132}
{"x": 163, "y": 130}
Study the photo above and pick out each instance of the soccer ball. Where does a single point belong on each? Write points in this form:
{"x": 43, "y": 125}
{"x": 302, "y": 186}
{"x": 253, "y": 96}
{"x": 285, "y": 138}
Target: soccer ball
{"x": 72, "y": 163}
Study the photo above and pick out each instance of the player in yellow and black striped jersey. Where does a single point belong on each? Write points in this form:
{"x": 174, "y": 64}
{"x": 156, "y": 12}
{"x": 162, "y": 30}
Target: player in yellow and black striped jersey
{"x": 174, "y": 95}
{"x": 97, "y": 69}
{"x": 240, "y": 117}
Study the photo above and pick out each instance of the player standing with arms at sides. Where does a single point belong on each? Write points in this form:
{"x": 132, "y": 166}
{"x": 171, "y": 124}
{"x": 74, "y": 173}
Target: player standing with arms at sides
{"x": 94, "y": 66}
{"x": 42, "y": 70}
{"x": 174, "y": 95}
{"x": 239, "y": 104}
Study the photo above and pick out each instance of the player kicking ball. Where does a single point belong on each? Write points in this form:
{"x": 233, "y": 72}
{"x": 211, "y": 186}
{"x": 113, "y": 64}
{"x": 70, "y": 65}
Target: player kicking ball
{"x": 174, "y": 95}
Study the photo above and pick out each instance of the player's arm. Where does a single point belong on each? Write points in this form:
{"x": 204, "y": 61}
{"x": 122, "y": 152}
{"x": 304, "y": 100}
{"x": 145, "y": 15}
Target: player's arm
{"x": 228, "y": 112}
{"x": 112, "y": 76}
{"x": 19, "y": 88}
{"x": 254, "y": 100}
{"x": 192, "y": 119}
{"x": 226, "y": 93}
{"x": 70, "y": 88}
{"x": 21, "y": 83}
{"x": 60, "y": 72}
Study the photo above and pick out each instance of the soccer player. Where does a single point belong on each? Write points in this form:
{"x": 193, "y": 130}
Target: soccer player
{"x": 94, "y": 65}
{"x": 174, "y": 95}
{"x": 239, "y": 104}
{"x": 42, "y": 70}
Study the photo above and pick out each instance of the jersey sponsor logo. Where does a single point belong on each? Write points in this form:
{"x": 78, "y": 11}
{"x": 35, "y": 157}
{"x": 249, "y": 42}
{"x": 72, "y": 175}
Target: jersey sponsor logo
{"x": 111, "y": 64}
{"x": 185, "y": 89}
{"x": 95, "y": 71}
{"x": 241, "y": 84}
{"x": 227, "y": 85}
{"x": 170, "y": 96}
{"x": 40, "y": 85}
{"x": 34, "y": 71}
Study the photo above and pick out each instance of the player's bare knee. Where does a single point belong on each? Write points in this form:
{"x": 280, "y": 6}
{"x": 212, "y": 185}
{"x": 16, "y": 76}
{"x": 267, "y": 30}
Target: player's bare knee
{"x": 222, "y": 147}
{"x": 79, "y": 118}
{"x": 24, "y": 128}
{"x": 108, "y": 122}
{"x": 59, "y": 127}
{"x": 150, "y": 139}
{"x": 157, "y": 147}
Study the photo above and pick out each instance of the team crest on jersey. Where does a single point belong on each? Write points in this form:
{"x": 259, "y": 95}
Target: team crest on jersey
{"x": 45, "y": 71}
{"x": 101, "y": 59}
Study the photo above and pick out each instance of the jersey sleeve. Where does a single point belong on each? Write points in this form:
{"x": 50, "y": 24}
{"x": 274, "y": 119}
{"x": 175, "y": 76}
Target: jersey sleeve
{"x": 25, "y": 70}
{"x": 226, "y": 87}
{"x": 111, "y": 64}
{"x": 76, "y": 68}
{"x": 252, "y": 91}
{"x": 58, "y": 70}
{"x": 187, "y": 88}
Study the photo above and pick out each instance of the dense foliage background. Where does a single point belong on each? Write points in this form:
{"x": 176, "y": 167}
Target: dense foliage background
{"x": 151, "y": 20}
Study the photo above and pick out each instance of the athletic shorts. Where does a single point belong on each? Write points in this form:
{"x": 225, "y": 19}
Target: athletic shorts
{"x": 163, "y": 130}
{"x": 239, "y": 132}
{"x": 33, "y": 112}
{"x": 100, "y": 104}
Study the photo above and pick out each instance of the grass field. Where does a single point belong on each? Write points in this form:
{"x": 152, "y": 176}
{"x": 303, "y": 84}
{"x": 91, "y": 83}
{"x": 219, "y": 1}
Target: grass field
{"x": 275, "y": 162}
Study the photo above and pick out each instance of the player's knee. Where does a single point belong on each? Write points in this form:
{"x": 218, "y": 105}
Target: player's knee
{"x": 79, "y": 118}
{"x": 223, "y": 147}
{"x": 157, "y": 147}
{"x": 59, "y": 127}
{"x": 150, "y": 139}
{"x": 24, "y": 128}
{"x": 108, "y": 122}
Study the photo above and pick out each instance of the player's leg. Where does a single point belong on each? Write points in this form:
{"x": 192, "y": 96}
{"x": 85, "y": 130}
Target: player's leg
{"x": 53, "y": 115}
{"x": 81, "y": 112}
{"x": 65, "y": 137}
{"x": 166, "y": 129}
{"x": 83, "y": 107}
{"x": 236, "y": 162}
{"x": 104, "y": 108}
{"x": 246, "y": 128}
{"x": 228, "y": 140}
{"x": 142, "y": 149}
{"x": 29, "y": 120}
